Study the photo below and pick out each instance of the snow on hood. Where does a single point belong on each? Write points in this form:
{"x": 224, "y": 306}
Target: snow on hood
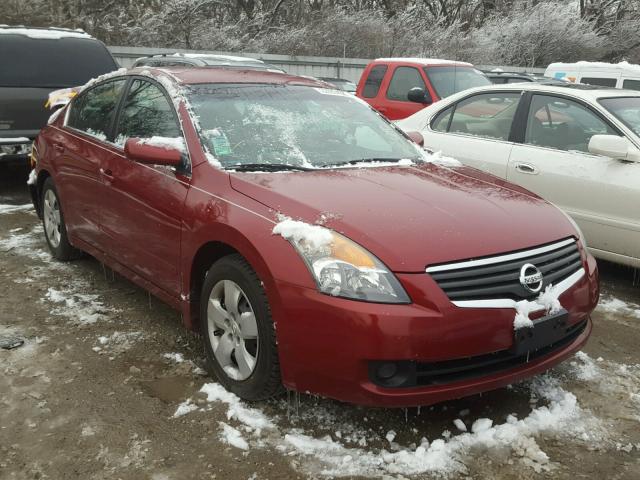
{"x": 51, "y": 34}
{"x": 411, "y": 217}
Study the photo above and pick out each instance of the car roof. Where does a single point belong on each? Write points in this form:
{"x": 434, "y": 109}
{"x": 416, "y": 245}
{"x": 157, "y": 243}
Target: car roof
{"x": 194, "y": 76}
{"x": 579, "y": 90}
{"x": 51, "y": 33}
{"x": 423, "y": 61}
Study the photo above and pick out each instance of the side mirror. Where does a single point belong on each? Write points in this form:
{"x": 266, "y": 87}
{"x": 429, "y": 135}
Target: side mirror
{"x": 143, "y": 151}
{"x": 419, "y": 95}
{"x": 615, "y": 147}
{"x": 416, "y": 137}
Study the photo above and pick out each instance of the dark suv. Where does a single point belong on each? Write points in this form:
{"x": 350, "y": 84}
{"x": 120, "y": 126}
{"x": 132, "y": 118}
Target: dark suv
{"x": 35, "y": 62}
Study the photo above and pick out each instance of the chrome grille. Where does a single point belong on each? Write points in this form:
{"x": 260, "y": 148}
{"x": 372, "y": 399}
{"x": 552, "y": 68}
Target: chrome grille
{"x": 499, "y": 276}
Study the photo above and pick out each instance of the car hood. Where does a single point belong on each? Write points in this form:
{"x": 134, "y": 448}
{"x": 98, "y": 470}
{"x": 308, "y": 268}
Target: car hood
{"x": 412, "y": 216}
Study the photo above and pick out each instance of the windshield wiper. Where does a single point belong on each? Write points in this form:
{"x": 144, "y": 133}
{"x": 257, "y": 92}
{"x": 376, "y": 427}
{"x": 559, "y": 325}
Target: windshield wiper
{"x": 370, "y": 160}
{"x": 265, "y": 167}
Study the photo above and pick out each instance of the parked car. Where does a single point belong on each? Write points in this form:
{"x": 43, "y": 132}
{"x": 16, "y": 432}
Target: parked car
{"x": 574, "y": 145}
{"x": 274, "y": 225}
{"x": 399, "y": 87}
{"x": 204, "y": 60}
{"x": 341, "y": 83}
{"x": 501, "y": 77}
{"x": 614, "y": 75}
{"x": 35, "y": 62}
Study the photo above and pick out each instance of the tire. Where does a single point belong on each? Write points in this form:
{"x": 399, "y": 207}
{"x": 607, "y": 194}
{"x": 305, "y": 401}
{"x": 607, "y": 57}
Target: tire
{"x": 55, "y": 230}
{"x": 242, "y": 354}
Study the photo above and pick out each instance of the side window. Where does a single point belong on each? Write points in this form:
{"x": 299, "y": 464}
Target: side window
{"x": 631, "y": 84}
{"x": 562, "y": 124}
{"x": 602, "y": 82}
{"x": 403, "y": 80}
{"x": 488, "y": 115}
{"x": 92, "y": 112}
{"x": 146, "y": 112}
{"x": 373, "y": 81}
{"x": 441, "y": 122}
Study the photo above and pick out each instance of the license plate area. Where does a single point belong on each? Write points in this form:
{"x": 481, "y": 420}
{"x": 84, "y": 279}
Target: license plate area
{"x": 545, "y": 331}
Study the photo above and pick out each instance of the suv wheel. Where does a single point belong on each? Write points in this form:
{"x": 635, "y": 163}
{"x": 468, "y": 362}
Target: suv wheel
{"x": 239, "y": 334}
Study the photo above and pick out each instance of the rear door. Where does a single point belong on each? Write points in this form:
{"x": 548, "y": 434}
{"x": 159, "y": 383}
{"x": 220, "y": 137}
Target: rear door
{"x": 600, "y": 193}
{"x": 144, "y": 203}
{"x": 476, "y": 130}
{"x": 81, "y": 149}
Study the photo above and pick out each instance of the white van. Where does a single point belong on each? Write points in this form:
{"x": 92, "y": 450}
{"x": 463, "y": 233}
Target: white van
{"x": 618, "y": 75}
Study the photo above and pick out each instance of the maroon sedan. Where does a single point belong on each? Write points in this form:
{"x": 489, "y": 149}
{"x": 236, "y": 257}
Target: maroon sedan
{"x": 311, "y": 243}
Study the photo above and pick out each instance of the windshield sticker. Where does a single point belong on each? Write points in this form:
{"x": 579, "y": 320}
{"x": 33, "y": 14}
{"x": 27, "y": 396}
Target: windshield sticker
{"x": 219, "y": 141}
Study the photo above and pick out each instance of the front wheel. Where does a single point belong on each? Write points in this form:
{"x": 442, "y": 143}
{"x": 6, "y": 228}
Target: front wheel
{"x": 239, "y": 334}
{"x": 55, "y": 230}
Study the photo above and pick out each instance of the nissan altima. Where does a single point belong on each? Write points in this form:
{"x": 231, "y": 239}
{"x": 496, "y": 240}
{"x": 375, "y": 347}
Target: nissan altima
{"x": 313, "y": 245}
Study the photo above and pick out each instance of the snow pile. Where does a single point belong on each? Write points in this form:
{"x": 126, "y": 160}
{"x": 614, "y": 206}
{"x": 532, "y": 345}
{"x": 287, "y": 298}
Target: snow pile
{"x": 117, "y": 342}
{"x": 174, "y": 357}
{"x": 168, "y": 143}
{"x": 609, "y": 304}
{"x": 50, "y": 34}
{"x": 185, "y": 407}
{"x": 547, "y": 300}
{"x": 30, "y": 245}
{"x": 232, "y": 437}
{"x": 252, "y": 418}
{"x": 439, "y": 159}
{"x": 33, "y": 178}
{"x": 303, "y": 234}
{"x": 585, "y": 368}
{"x": 82, "y": 309}
{"x": 15, "y": 208}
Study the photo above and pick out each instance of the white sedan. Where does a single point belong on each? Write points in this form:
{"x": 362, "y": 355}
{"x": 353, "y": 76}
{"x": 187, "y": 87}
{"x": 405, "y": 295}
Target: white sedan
{"x": 575, "y": 145}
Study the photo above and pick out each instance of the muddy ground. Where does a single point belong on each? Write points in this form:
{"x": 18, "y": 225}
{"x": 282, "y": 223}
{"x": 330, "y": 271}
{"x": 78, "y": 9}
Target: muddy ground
{"x": 107, "y": 386}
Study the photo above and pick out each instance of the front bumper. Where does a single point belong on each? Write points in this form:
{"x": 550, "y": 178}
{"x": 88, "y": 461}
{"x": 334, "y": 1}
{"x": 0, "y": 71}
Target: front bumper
{"x": 328, "y": 345}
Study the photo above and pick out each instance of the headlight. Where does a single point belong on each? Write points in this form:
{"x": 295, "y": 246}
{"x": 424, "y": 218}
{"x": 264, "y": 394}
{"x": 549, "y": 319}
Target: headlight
{"x": 343, "y": 268}
{"x": 575, "y": 225}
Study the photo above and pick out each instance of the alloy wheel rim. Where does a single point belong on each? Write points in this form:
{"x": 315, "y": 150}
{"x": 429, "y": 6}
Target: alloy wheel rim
{"x": 51, "y": 215}
{"x": 233, "y": 330}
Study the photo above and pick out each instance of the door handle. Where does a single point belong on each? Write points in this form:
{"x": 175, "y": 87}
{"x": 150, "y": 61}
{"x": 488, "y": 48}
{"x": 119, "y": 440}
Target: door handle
{"x": 57, "y": 147}
{"x": 527, "y": 168}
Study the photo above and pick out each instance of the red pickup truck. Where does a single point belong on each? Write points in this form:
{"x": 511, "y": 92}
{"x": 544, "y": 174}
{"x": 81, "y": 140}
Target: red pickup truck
{"x": 399, "y": 87}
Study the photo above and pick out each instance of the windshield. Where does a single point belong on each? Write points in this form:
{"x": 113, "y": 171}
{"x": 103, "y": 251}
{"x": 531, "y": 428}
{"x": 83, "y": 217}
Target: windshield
{"x": 449, "y": 80}
{"x": 293, "y": 125}
{"x": 625, "y": 109}
{"x": 52, "y": 63}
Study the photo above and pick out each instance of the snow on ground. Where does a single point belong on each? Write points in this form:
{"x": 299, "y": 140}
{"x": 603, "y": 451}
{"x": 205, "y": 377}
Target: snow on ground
{"x": 117, "y": 342}
{"x": 350, "y": 450}
{"x": 15, "y": 208}
{"x": 80, "y": 308}
{"x": 611, "y": 304}
{"x": 174, "y": 357}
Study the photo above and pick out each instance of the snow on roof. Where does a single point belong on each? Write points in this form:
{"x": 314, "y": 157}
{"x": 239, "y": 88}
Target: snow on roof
{"x": 43, "y": 33}
{"x": 423, "y": 61}
{"x": 583, "y": 65}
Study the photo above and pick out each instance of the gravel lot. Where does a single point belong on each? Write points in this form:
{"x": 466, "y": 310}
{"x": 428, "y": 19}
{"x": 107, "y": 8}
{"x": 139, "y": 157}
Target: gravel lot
{"x": 108, "y": 385}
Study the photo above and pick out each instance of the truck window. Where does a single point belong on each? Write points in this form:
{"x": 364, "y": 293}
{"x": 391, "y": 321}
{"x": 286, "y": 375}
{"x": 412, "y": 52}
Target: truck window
{"x": 403, "y": 80}
{"x": 602, "y": 82}
{"x": 373, "y": 81}
{"x": 631, "y": 84}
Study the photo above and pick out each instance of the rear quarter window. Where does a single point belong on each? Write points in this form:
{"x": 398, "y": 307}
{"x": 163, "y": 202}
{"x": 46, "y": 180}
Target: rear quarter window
{"x": 373, "y": 81}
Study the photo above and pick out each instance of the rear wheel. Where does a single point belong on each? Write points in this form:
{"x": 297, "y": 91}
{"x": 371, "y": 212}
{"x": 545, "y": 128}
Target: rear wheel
{"x": 239, "y": 335}
{"x": 55, "y": 230}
